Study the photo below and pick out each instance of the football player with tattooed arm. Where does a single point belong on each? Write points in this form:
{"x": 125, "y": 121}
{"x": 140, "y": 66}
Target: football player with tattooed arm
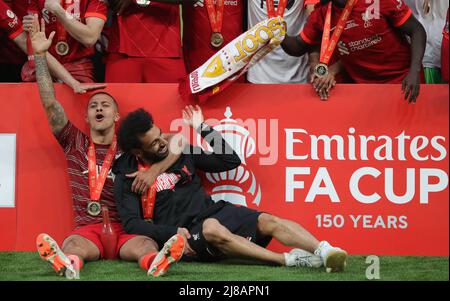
{"x": 372, "y": 42}
{"x": 89, "y": 160}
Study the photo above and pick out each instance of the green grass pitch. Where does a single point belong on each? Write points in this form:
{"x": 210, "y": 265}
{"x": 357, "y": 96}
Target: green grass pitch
{"x": 29, "y": 266}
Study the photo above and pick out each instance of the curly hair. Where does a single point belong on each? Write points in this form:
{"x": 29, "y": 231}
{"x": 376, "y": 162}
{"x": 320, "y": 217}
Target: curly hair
{"x": 134, "y": 124}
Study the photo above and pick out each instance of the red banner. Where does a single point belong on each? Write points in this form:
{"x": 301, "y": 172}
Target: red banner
{"x": 365, "y": 170}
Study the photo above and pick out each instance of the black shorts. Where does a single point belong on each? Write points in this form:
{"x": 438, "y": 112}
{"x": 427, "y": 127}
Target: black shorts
{"x": 241, "y": 221}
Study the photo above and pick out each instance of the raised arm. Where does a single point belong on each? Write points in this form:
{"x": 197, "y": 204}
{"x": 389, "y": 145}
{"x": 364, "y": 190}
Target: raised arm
{"x": 55, "y": 113}
{"x": 222, "y": 158}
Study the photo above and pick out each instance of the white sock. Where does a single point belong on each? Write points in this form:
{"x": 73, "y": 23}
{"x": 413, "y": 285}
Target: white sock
{"x": 286, "y": 260}
{"x": 322, "y": 249}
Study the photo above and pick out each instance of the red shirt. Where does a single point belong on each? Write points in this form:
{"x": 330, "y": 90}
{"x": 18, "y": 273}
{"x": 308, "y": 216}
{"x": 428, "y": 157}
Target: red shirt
{"x": 80, "y": 10}
{"x": 10, "y": 28}
{"x": 10, "y": 24}
{"x": 197, "y": 31}
{"x": 20, "y": 7}
{"x": 75, "y": 145}
{"x": 379, "y": 53}
{"x": 153, "y": 31}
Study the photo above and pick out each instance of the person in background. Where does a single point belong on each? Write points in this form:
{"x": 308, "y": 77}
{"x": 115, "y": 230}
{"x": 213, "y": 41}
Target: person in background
{"x": 11, "y": 27}
{"x": 373, "y": 47}
{"x": 431, "y": 14}
{"x": 77, "y": 25}
{"x": 145, "y": 42}
{"x": 12, "y": 57}
{"x": 445, "y": 52}
{"x": 278, "y": 67}
{"x": 200, "y": 28}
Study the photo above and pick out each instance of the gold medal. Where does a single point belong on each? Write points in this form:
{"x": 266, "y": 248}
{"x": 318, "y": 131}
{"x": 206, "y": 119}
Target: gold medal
{"x": 216, "y": 39}
{"x": 321, "y": 70}
{"x": 93, "y": 208}
{"x": 62, "y": 48}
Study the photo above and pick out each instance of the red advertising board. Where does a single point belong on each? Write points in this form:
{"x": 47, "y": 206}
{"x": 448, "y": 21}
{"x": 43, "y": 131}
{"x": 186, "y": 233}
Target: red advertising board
{"x": 365, "y": 170}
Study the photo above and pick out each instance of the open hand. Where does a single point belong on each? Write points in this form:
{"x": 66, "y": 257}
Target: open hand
{"x": 193, "y": 117}
{"x": 39, "y": 41}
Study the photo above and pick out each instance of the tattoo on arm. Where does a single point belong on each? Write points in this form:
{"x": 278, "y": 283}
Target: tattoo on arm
{"x": 55, "y": 113}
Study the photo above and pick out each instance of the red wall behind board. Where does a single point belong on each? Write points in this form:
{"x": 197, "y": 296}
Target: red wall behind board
{"x": 43, "y": 201}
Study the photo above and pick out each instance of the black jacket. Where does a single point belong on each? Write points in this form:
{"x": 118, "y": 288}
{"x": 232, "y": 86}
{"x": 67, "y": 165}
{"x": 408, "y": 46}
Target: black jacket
{"x": 175, "y": 207}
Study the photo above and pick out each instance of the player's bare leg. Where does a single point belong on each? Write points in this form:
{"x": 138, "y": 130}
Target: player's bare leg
{"x": 235, "y": 245}
{"x": 141, "y": 249}
{"x": 82, "y": 247}
{"x": 59, "y": 260}
{"x": 292, "y": 234}
{"x": 145, "y": 250}
{"x": 287, "y": 232}
{"x": 79, "y": 249}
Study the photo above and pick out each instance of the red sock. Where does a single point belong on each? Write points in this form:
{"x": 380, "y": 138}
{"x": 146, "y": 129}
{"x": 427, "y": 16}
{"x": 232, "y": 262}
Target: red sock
{"x": 147, "y": 260}
{"x": 77, "y": 262}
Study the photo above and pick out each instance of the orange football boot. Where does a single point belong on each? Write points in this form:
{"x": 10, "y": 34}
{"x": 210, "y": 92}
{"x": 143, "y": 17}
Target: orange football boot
{"x": 171, "y": 252}
{"x": 49, "y": 251}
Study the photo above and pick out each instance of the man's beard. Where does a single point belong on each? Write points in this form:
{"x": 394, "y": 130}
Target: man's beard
{"x": 153, "y": 158}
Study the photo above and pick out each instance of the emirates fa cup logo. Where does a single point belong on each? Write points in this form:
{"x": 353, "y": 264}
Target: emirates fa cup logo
{"x": 237, "y": 186}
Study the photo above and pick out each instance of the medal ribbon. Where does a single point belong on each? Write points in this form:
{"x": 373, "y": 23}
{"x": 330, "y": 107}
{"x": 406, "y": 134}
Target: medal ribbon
{"x": 61, "y": 33}
{"x": 271, "y": 8}
{"x": 215, "y": 14}
{"x": 96, "y": 184}
{"x": 327, "y": 48}
{"x": 148, "y": 199}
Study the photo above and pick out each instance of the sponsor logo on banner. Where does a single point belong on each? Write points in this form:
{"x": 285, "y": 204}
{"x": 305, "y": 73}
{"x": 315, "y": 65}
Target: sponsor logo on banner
{"x": 7, "y": 170}
{"x": 238, "y": 186}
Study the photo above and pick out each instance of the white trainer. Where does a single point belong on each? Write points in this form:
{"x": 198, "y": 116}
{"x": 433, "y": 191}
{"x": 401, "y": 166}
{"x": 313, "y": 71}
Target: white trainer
{"x": 302, "y": 258}
{"x": 335, "y": 259}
